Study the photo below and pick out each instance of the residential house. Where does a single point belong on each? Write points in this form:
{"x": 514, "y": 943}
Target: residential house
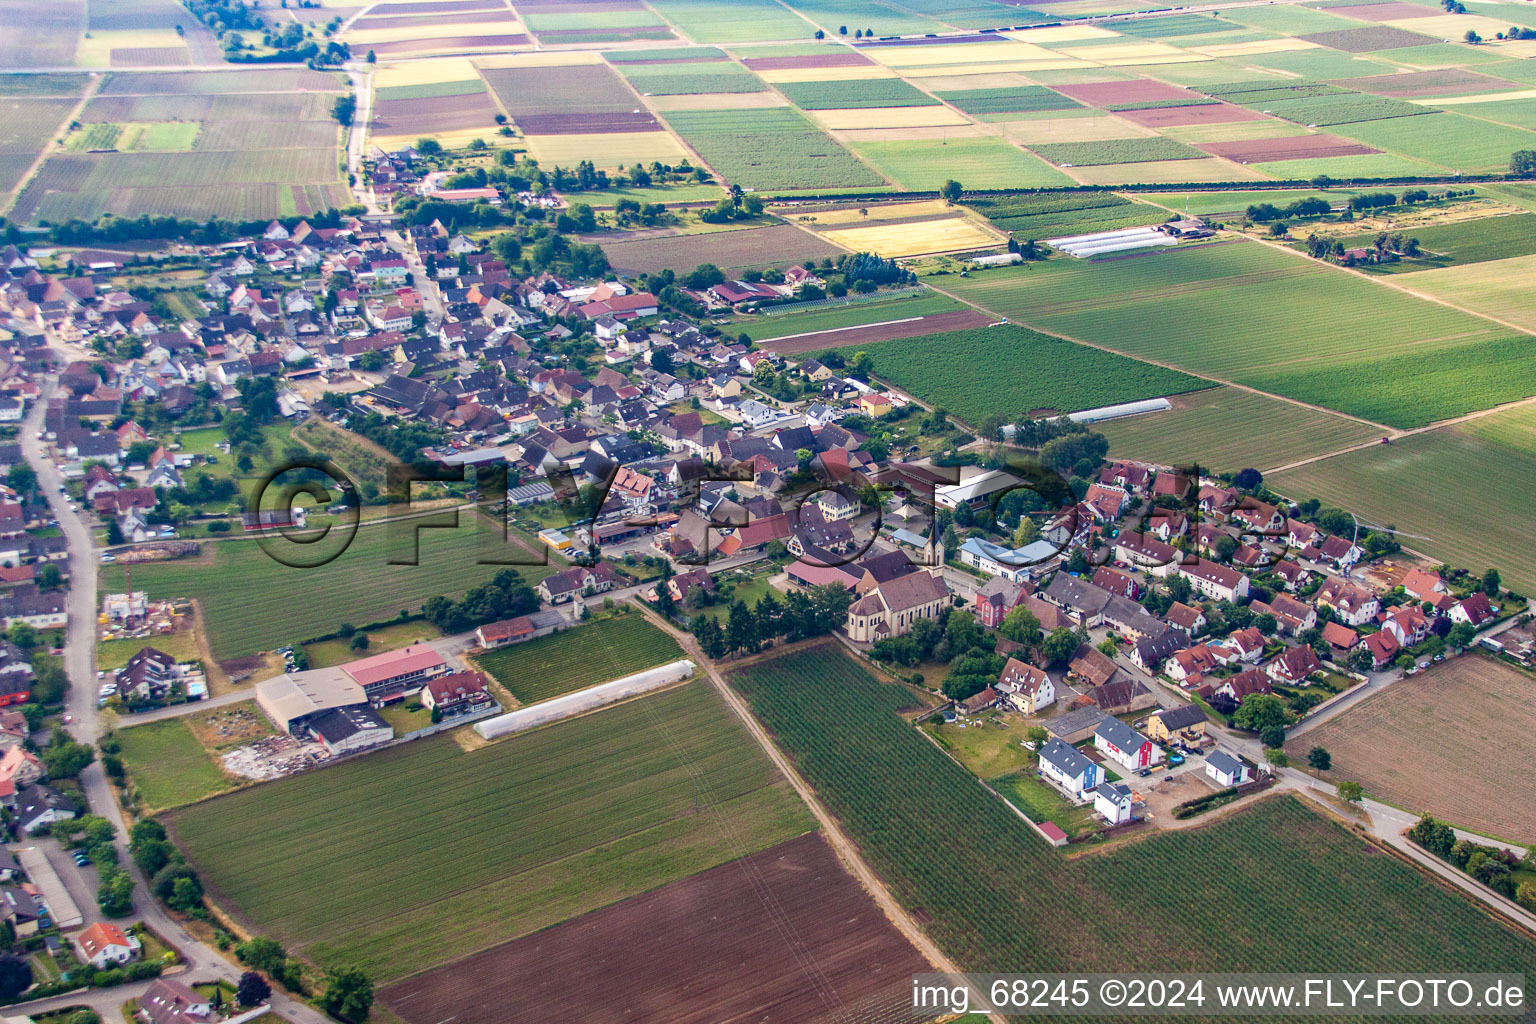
{"x": 1113, "y": 801}
{"x": 1408, "y": 624}
{"x": 1245, "y": 684}
{"x": 1183, "y": 724}
{"x": 1190, "y": 618}
{"x": 976, "y": 704}
{"x": 1352, "y": 604}
{"x": 1294, "y": 665}
{"x": 1068, "y": 768}
{"x": 168, "y": 1001}
{"x": 1215, "y": 581}
{"x": 458, "y": 693}
{"x": 104, "y": 945}
{"x": 1151, "y": 651}
{"x": 578, "y": 581}
{"x": 1383, "y": 647}
{"x": 1226, "y": 769}
{"x": 1028, "y": 687}
{"x": 1125, "y": 745}
{"x": 40, "y": 805}
{"x": 1339, "y": 638}
{"x": 1473, "y": 609}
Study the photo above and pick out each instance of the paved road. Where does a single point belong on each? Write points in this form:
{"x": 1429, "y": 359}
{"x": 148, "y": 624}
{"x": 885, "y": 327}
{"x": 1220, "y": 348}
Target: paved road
{"x": 80, "y": 664}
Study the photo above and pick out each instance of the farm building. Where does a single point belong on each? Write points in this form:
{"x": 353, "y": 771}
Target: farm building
{"x": 1120, "y": 411}
{"x": 295, "y": 699}
{"x": 350, "y": 729}
{"x": 1083, "y": 246}
{"x": 390, "y": 676}
{"x": 584, "y": 700}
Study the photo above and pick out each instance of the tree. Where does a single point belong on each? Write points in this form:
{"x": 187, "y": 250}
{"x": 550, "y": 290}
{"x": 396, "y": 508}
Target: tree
{"x": 1026, "y": 533}
{"x": 68, "y": 759}
{"x": 15, "y": 977}
{"x": 262, "y": 953}
{"x": 115, "y": 894}
{"x": 359, "y": 641}
{"x": 1461, "y": 634}
{"x": 1108, "y": 647}
{"x": 344, "y": 108}
{"x": 1021, "y": 626}
{"x": 1472, "y": 37}
{"x": 741, "y": 629}
{"x": 151, "y": 855}
{"x": 22, "y": 477}
{"x": 1319, "y": 760}
{"x": 372, "y": 58}
{"x": 1276, "y": 757}
{"x": 952, "y": 191}
{"x": 186, "y": 894}
{"x": 1351, "y": 791}
{"x": 85, "y": 1015}
{"x": 114, "y": 533}
{"x": 1525, "y": 895}
{"x": 1261, "y": 711}
{"x": 1491, "y": 583}
{"x": 1522, "y": 163}
{"x": 348, "y": 995}
{"x": 1059, "y": 646}
{"x": 252, "y": 990}
{"x": 1248, "y": 479}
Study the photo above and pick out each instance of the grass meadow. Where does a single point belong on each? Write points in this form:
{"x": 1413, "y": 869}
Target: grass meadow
{"x": 984, "y": 881}
{"x": 252, "y": 603}
{"x": 1011, "y": 370}
{"x": 980, "y": 163}
{"x": 574, "y": 659}
{"x": 421, "y": 854}
{"x": 168, "y": 765}
{"x": 1306, "y": 331}
{"x": 1499, "y": 288}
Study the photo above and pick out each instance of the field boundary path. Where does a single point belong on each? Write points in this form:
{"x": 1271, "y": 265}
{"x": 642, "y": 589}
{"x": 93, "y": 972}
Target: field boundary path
{"x": 847, "y": 851}
{"x": 202, "y": 961}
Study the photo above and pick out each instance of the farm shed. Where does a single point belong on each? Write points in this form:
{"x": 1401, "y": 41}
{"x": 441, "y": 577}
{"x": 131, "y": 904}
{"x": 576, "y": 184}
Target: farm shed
{"x": 589, "y": 699}
{"x": 1083, "y": 246}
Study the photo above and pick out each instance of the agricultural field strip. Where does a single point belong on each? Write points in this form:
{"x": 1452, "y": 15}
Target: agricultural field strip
{"x": 567, "y": 660}
{"x": 985, "y": 881}
{"x": 555, "y": 795}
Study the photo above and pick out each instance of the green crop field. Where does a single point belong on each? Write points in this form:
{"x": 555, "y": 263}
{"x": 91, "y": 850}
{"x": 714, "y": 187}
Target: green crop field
{"x": 852, "y": 314}
{"x": 1462, "y": 242}
{"x": 1116, "y": 151}
{"x": 667, "y": 55}
{"x": 429, "y": 90}
{"x": 1449, "y": 140}
{"x": 671, "y": 78}
{"x": 1499, "y": 288}
{"x": 1343, "y": 109}
{"x": 1464, "y": 491}
{"x": 1305, "y": 330}
{"x": 985, "y": 883}
{"x": 769, "y": 148}
{"x": 573, "y": 659}
{"x": 978, "y": 163}
{"x": 1054, "y": 215}
{"x": 1229, "y": 429}
{"x": 421, "y": 854}
{"x": 252, "y": 603}
{"x": 858, "y": 92}
{"x": 720, "y": 21}
{"x": 1018, "y": 99}
{"x": 1010, "y": 371}
{"x": 168, "y": 765}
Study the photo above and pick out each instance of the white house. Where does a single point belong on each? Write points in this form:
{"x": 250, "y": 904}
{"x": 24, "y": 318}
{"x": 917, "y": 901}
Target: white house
{"x": 755, "y": 414}
{"x": 1113, "y": 801}
{"x": 1028, "y": 688}
{"x": 1125, "y": 745}
{"x": 104, "y": 945}
{"x": 1068, "y": 768}
{"x": 1226, "y": 769}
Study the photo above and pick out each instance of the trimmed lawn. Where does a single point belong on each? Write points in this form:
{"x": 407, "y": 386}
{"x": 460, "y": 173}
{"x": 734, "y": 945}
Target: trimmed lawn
{"x": 573, "y": 659}
{"x": 114, "y": 654}
{"x": 168, "y": 765}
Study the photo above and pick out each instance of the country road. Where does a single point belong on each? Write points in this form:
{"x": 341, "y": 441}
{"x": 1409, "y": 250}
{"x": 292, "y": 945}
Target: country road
{"x": 203, "y": 962}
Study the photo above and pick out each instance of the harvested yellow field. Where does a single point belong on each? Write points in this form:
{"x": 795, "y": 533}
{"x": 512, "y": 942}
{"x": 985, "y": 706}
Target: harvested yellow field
{"x": 1452, "y": 26}
{"x": 894, "y": 241}
{"x": 1166, "y": 172}
{"x": 1177, "y": 57}
{"x": 1516, "y": 47}
{"x": 964, "y": 53}
{"x": 1107, "y": 53}
{"x": 605, "y": 150}
{"x": 940, "y": 132}
{"x": 1254, "y": 47}
{"x": 429, "y": 30}
{"x": 1061, "y": 34}
{"x": 950, "y": 81}
{"x": 456, "y": 139}
{"x": 825, "y": 74}
{"x": 718, "y": 101}
{"x": 1017, "y": 67}
{"x": 877, "y": 212}
{"x": 425, "y": 72}
{"x": 1073, "y": 129}
{"x": 888, "y": 117}
{"x": 541, "y": 59}
{"x": 1235, "y": 131}
{"x": 1492, "y": 97}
